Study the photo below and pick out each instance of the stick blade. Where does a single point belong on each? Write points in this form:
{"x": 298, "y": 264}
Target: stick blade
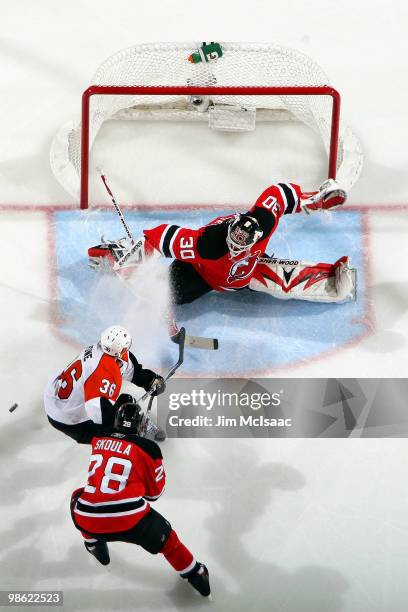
{"x": 180, "y": 339}
{"x": 201, "y": 342}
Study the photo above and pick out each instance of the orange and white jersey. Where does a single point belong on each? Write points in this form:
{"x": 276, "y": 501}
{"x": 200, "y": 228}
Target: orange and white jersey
{"x": 73, "y": 395}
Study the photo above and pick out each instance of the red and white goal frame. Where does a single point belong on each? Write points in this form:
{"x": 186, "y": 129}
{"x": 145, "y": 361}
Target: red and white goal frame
{"x": 247, "y": 84}
{"x": 202, "y": 91}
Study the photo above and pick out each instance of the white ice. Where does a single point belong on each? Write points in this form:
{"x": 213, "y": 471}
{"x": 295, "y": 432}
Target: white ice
{"x": 286, "y": 525}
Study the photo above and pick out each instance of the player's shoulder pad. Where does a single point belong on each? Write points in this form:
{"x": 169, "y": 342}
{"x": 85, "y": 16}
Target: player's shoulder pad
{"x": 150, "y": 447}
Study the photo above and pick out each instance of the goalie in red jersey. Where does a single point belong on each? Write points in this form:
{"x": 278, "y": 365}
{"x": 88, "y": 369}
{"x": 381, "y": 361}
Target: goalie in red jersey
{"x": 228, "y": 254}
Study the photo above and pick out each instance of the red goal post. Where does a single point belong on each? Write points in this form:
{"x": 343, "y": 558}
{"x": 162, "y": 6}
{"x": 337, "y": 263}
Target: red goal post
{"x": 104, "y": 90}
{"x": 233, "y": 86}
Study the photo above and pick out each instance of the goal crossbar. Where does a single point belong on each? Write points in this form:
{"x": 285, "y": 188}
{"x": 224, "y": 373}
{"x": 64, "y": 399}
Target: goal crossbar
{"x": 141, "y": 90}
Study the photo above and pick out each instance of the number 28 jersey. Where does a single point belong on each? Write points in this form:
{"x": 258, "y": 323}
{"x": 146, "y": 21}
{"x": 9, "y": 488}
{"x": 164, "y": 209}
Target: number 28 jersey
{"x": 73, "y": 396}
{"x": 125, "y": 473}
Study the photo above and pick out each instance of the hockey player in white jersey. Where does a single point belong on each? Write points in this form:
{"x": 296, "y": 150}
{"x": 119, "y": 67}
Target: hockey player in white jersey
{"x": 81, "y": 401}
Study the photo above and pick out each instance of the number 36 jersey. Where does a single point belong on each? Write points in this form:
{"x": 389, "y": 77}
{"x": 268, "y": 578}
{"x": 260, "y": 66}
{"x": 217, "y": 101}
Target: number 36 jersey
{"x": 73, "y": 396}
{"x": 125, "y": 473}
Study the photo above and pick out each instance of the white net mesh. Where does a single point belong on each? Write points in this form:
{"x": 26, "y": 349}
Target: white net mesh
{"x": 241, "y": 64}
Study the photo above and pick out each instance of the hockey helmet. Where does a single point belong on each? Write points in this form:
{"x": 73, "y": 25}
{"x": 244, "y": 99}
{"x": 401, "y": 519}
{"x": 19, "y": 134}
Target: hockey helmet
{"x": 115, "y": 340}
{"x": 243, "y": 232}
{"x": 130, "y": 418}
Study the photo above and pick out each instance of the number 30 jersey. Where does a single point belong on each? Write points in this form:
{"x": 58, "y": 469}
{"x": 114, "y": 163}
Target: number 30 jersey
{"x": 206, "y": 248}
{"x": 73, "y": 396}
{"x": 125, "y": 473}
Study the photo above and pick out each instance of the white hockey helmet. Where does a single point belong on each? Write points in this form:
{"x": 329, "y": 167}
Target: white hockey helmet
{"x": 115, "y": 340}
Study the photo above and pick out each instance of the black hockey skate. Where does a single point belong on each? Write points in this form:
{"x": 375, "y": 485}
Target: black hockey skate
{"x": 99, "y": 550}
{"x": 199, "y": 578}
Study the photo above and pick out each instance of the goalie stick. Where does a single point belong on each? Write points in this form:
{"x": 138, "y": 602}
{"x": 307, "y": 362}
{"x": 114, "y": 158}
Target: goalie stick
{"x": 200, "y": 342}
{"x": 116, "y": 205}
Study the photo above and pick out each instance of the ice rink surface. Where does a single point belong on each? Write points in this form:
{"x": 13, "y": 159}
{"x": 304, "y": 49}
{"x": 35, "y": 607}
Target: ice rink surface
{"x": 285, "y": 525}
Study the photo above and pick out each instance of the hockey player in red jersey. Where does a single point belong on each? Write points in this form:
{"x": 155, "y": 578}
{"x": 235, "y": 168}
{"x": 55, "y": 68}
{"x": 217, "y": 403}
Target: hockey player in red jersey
{"x": 81, "y": 401}
{"x": 126, "y": 474}
{"x": 228, "y": 254}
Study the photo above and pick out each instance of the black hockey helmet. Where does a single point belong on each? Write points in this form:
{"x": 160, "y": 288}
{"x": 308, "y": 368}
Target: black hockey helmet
{"x": 243, "y": 232}
{"x": 129, "y": 418}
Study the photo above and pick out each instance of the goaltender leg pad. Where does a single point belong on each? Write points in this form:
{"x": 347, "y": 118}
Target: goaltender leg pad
{"x": 315, "y": 282}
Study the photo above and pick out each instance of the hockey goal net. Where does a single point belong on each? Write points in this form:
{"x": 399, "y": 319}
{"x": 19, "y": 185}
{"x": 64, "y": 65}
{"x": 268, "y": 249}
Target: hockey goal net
{"x": 231, "y": 86}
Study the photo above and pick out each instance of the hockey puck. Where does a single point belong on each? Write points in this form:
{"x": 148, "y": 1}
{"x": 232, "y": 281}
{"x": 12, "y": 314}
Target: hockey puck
{"x": 13, "y": 407}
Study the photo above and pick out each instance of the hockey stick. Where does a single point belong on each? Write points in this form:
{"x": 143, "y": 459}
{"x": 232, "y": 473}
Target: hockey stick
{"x": 116, "y": 205}
{"x": 179, "y": 339}
{"x": 200, "y": 342}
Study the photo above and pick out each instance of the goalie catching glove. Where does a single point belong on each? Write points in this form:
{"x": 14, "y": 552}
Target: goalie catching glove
{"x": 329, "y": 195}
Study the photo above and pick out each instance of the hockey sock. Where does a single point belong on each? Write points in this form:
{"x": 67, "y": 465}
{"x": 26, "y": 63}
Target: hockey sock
{"x": 87, "y": 537}
{"x": 179, "y": 557}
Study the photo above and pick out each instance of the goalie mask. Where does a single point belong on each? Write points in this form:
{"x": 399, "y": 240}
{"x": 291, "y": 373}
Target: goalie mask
{"x": 115, "y": 341}
{"x": 243, "y": 233}
{"x": 130, "y": 418}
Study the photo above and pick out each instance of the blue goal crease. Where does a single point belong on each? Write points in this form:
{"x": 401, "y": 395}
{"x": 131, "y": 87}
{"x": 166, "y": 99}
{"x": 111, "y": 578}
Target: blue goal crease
{"x": 256, "y": 332}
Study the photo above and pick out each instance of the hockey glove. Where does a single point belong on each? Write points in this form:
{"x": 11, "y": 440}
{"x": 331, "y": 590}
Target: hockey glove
{"x": 329, "y": 195}
{"x": 159, "y": 385}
